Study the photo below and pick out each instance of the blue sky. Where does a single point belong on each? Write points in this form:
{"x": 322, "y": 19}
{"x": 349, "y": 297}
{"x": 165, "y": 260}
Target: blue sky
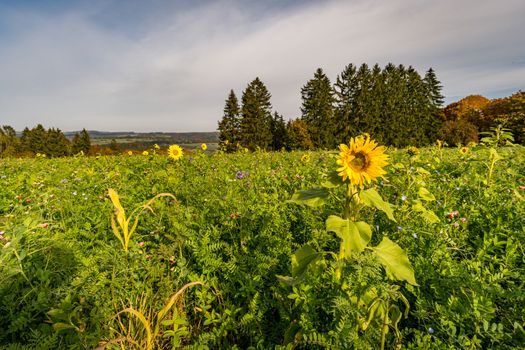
{"x": 168, "y": 65}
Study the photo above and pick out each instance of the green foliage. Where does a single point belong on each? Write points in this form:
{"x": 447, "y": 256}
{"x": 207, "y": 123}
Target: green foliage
{"x": 256, "y": 116}
{"x": 229, "y": 125}
{"x": 61, "y": 284}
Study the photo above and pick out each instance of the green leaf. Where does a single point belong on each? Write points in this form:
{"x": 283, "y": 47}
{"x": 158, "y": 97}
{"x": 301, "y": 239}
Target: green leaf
{"x": 313, "y": 198}
{"x": 62, "y": 326}
{"x": 395, "y": 261}
{"x": 425, "y": 213}
{"x": 355, "y": 235}
{"x": 302, "y": 258}
{"x": 425, "y": 194}
{"x": 333, "y": 180}
{"x": 371, "y": 198}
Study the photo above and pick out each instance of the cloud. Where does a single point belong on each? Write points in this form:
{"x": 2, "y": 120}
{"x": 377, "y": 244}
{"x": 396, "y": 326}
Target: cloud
{"x": 73, "y": 69}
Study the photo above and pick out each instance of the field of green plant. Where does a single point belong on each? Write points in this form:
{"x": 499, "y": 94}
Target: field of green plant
{"x": 432, "y": 258}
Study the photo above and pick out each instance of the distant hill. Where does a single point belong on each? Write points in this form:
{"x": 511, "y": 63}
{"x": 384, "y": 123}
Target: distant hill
{"x": 139, "y": 138}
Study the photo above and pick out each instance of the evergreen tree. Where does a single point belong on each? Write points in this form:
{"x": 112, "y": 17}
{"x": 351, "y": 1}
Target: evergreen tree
{"x": 81, "y": 142}
{"x": 229, "y": 126}
{"x": 345, "y": 90}
{"x": 433, "y": 89}
{"x": 297, "y": 136}
{"x": 318, "y": 110}
{"x": 25, "y": 140}
{"x": 37, "y": 139}
{"x": 57, "y": 145}
{"x": 278, "y": 128}
{"x": 256, "y": 116}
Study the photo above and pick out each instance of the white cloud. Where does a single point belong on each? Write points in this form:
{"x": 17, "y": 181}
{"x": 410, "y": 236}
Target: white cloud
{"x": 70, "y": 72}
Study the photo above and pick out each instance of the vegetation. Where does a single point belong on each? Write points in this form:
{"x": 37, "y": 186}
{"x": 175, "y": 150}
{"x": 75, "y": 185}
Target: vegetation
{"x": 266, "y": 250}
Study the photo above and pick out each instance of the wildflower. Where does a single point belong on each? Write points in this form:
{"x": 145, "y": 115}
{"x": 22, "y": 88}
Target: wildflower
{"x": 156, "y": 146}
{"x": 145, "y": 153}
{"x": 241, "y": 175}
{"x": 412, "y": 151}
{"x": 452, "y": 214}
{"x": 175, "y": 152}
{"x": 414, "y": 235}
{"x": 430, "y": 330}
{"x": 455, "y": 225}
{"x": 43, "y": 225}
{"x": 399, "y": 228}
{"x": 74, "y": 193}
{"x": 463, "y": 150}
{"x": 463, "y": 219}
{"x": 305, "y": 158}
{"x": 403, "y": 198}
{"x": 204, "y": 146}
{"x": 141, "y": 244}
{"x": 362, "y": 160}
{"x": 130, "y": 153}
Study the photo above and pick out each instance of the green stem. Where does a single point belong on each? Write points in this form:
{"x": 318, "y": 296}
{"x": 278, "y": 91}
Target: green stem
{"x": 384, "y": 329}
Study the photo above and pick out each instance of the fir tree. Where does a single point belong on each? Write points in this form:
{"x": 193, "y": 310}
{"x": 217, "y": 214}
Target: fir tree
{"x": 318, "y": 110}
{"x": 345, "y": 90}
{"x": 81, "y": 142}
{"x": 256, "y": 116}
{"x": 229, "y": 126}
{"x": 57, "y": 145}
{"x": 37, "y": 139}
{"x": 278, "y": 128}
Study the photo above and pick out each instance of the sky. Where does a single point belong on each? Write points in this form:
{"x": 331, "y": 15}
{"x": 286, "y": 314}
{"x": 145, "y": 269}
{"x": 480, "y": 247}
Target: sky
{"x": 168, "y": 65}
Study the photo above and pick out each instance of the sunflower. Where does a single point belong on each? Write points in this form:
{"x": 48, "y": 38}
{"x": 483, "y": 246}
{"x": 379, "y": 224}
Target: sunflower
{"x": 175, "y": 152}
{"x": 463, "y": 150}
{"x": 305, "y": 158}
{"x": 361, "y": 161}
{"x": 412, "y": 150}
{"x": 145, "y": 153}
{"x": 204, "y": 147}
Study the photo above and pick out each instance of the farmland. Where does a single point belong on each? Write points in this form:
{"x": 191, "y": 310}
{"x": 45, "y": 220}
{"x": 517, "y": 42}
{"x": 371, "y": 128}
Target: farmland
{"x": 220, "y": 262}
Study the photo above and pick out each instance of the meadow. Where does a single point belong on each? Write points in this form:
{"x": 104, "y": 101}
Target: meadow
{"x": 220, "y": 251}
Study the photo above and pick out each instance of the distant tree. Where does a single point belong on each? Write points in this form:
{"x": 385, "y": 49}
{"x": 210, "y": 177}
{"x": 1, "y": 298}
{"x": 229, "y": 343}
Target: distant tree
{"x": 297, "y": 136}
{"x": 256, "y": 116}
{"x": 37, "y": 139}
{"x": 8, "y": 141}
{"x": 318, "y": 110}
{"x": 114, "y": 146}
{"x": 433, "y": 89}
{"x": 278, "y": 128}
{"x": 57, "y": 145}
{"x": 345, "y": 90}
{"x": 229, "y": 125}
{"x": 508, "y": 112}
{"x": 81, "y": 142}
{"x": 25, "y": 141}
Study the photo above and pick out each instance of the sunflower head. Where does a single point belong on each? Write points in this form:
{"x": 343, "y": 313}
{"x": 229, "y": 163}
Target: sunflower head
{"x": 463, "y": 150}
{"x": 175, "y": 152}
{"x": 156, "y": 146}
{"x": 204, "y": 147}
{"x": 361, "y": 161}
{"x": 130, "y": 153}
{"x": 305, "y": 158}
{"x": 145, "y": 153}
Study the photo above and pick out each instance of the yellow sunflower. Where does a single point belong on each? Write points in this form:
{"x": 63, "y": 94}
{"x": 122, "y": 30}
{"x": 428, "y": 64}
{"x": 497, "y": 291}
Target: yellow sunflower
{"x": 204, "y": 147}
{"x": 412, "y": 150}
{"x": 145, "y": 153}
{"x": 175, "y": 152}
{"x": 361, "y": 161}
{"x": 463, "y": 150}
{"x": 130, "y": 153}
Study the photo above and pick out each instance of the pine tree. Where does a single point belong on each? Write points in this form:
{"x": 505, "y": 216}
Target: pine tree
{"x": 37, "y": 139}
{"x": 229, "y": 126}
{"x": 278, "y": 128}
{"x": 81, "y": 142}
{"x": 433, "y": 89}
{"x": 57, "y": 145}
{"x": 318, "y": 110}
{"x": 345, "y": 90}
{"x": 256, "y": 116}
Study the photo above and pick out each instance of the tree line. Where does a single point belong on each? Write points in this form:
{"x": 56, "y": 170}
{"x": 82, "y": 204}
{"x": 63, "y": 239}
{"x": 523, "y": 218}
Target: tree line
{"x": 395, "y": 105}
{"x": 51, "y": 142}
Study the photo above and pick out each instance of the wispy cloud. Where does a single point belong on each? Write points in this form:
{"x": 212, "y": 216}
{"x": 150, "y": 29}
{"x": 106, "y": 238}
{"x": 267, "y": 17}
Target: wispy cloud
{"x": 172, "y": 67}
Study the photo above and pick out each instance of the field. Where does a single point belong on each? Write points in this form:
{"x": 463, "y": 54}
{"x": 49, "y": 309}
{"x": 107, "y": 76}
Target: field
{"x": 229, "y": 262}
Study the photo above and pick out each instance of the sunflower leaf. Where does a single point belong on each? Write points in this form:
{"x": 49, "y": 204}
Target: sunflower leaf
{"x": 395, "y": 261}
{"x": 354, "y": 235}
{"x": 371, "y": 198}
{"x": 314, "y": 197}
